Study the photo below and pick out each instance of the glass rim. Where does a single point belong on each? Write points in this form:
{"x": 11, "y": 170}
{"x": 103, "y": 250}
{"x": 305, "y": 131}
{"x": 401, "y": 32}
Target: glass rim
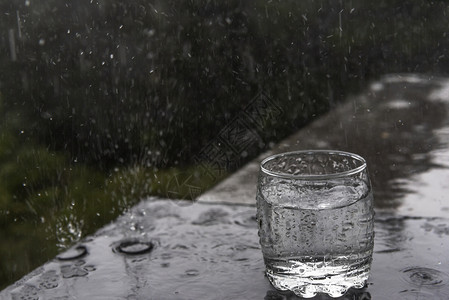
{"x": 314, "y": 176}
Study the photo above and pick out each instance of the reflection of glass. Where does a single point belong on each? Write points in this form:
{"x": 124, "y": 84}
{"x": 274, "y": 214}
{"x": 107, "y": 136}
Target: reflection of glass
{"x": 315, "y": 215}
{"x": 352, "y": 294}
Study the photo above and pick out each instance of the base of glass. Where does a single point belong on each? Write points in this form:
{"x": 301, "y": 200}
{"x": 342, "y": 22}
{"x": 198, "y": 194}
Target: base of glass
{"x": 308, "y": 279}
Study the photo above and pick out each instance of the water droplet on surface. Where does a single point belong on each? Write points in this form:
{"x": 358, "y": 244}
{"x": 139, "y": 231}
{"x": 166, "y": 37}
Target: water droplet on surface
{"x": 73, "y": 253}
{"x": 166, "y": 256}
{"x": 348, "y": 226}
{"x": 89, "y": 268}
{"x": 422, "y": 276}
{"x": 28, "y": 292}
{"x": 70, "y": 271}
{"x": 49, "y": 280}
{"x": 192, "y": 272}
{"x": 180, "y": 246}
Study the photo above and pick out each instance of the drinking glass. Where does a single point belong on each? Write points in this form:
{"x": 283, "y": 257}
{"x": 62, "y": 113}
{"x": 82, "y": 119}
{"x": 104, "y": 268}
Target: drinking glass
{"x": 315, "y": 215}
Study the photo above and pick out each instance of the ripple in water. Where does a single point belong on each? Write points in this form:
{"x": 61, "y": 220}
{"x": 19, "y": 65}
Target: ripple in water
{"x": 192, "y": 272}
{"x": 76, "y": 269}
{"x": 246, "y": 219}
{"x": 416, "y": 295}
{"x": 133, "y": 247}
{"x": 212, "y": 216}
{"x": 421, "y": 276}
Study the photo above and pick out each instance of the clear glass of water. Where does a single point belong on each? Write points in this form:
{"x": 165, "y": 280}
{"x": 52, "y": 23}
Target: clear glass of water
{"x": 315, "y": 214}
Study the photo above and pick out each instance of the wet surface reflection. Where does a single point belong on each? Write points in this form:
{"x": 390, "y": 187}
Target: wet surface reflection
{"x": 401, "y": 127}
{"x": 169, "y": 250}
{"x": 352, "y": 294}
{"x": 187, "y": 256}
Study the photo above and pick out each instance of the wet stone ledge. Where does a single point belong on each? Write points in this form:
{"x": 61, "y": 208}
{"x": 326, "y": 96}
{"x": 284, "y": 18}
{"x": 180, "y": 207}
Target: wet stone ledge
{"x": 164, "y": 249}
{"x": 176, "y": 250}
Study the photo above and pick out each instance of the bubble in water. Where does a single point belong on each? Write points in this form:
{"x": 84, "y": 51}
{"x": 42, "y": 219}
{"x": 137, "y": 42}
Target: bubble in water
{"x": 192, "y": 272}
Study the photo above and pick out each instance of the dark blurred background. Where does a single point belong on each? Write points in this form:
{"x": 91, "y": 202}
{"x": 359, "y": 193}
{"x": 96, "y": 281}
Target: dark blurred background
{"x": 103, "y": 103}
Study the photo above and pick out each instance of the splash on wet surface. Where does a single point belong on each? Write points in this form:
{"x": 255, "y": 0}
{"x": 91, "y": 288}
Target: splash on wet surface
{"x": 70, "y": 271}
{"x": 27, "y": 292}
{"x": 49, "y": 280}
{"x": 421, "y": 276}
